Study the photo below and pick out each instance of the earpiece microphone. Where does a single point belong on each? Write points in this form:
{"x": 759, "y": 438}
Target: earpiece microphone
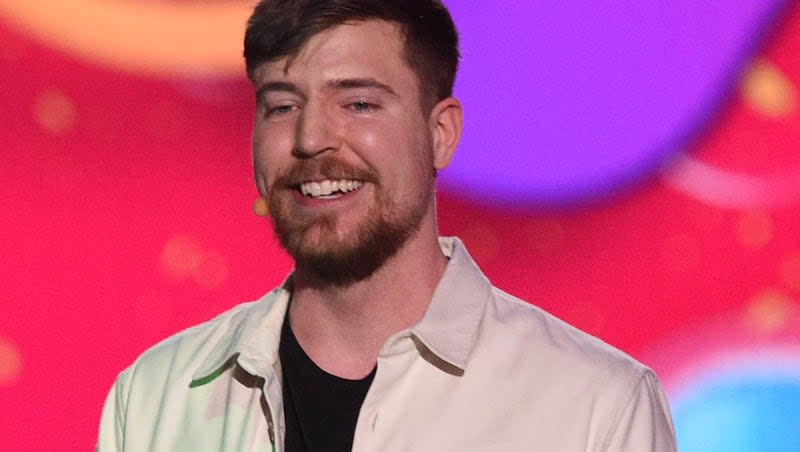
{"x": 260, "y": 207}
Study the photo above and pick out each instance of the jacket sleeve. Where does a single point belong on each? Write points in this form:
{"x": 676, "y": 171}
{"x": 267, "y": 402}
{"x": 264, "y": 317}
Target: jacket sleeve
{"x": 645, "y": 424}
{"x": 112, "y": 421}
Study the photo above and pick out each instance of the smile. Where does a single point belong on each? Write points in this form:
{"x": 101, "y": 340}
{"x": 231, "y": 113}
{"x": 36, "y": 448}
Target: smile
{"x": 329, "y": 188}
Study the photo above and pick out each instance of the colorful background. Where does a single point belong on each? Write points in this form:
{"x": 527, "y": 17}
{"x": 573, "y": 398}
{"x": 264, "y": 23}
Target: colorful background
{"x": 633, "y": 168}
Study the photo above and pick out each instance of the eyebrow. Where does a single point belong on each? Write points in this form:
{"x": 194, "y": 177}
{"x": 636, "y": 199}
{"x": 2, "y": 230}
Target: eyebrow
{"x": 348, "y": 83}
{"x": 277, "y": 86}
{"x": 345, "y": 83}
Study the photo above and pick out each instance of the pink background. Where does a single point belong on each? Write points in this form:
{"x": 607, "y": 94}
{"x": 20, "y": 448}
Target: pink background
{"x": 127, "y": 215}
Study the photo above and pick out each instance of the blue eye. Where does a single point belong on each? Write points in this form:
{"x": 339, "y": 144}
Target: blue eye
{"x": 362, "y": 106}
{"x": 280, "y": 109}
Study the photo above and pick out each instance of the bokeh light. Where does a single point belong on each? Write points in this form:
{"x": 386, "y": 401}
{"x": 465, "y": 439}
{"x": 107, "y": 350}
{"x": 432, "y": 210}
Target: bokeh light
{"x": 631, "y": 168}
{"x": 756, "y": 412}
{"x": 10, "y": 362}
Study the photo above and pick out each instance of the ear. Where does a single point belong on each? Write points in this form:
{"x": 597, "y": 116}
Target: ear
{"x": 446, "y": 121}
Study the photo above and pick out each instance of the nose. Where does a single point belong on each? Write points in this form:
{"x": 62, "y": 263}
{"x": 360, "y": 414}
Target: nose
{"x": 315, "y": 132}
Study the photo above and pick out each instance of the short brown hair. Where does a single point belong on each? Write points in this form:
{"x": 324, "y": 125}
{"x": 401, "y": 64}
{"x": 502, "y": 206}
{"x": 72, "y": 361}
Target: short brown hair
{"x": 279, "y": 28}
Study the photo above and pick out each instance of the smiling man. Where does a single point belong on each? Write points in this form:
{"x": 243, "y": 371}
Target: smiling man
{"x": 386, "y": 337}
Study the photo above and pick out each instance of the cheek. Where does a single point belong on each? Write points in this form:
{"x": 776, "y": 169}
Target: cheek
{"x": 373, "y": 144}
{"x": 402, "y": 156}
{"x": 272, "y": 150}
{"x": 386, "y": 146}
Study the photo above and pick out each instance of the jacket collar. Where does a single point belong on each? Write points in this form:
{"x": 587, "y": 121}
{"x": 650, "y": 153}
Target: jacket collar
{"x": 448, "y": 330}
{"x": 250, "y": 337}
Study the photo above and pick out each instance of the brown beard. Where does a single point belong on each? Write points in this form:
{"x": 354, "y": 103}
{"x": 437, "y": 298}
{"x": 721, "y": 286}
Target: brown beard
{"x": 379, "y": 237}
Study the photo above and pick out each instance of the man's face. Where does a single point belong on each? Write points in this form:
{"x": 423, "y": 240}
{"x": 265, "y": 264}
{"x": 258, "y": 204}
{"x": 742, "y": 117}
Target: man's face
{"x": 342, "y": 151}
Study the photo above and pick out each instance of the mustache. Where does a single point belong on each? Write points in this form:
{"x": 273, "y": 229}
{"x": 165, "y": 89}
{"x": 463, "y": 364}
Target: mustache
{"x": 326, "y": 168}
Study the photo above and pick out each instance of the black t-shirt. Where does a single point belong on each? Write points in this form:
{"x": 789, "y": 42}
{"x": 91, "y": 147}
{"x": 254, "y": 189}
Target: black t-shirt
{"x": 321, "y": 409}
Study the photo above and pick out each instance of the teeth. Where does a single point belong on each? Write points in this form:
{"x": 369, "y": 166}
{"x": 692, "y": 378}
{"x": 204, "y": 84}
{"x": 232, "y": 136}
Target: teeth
{"x": 325, "y": 187}
{"x": 328, "y": 187}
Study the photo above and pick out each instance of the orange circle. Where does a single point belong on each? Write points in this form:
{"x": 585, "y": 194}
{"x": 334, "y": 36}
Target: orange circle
{"x": 769, "y": 312}
{"x": 185, "y": 257}
{"x": 54, "y": 111}
{"x": 768, "y": 90}
{"x": 10, "y": 362}
{"x": 143, "y": 37}
{"x": 181, "y": 257}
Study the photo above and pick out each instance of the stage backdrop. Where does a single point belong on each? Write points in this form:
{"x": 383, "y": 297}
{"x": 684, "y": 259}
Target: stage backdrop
{"x": 632, "y": 168}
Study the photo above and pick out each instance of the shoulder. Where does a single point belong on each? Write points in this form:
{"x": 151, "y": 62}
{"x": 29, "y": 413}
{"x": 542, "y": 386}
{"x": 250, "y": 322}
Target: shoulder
{"x": 167, "y": 381}
{"x": 182, "y": 353}
{"x": 572, "y": 376}
{"x": 548, "y": 346}
{"x": 198, "y": 351}
{"x": 162, "y": 374}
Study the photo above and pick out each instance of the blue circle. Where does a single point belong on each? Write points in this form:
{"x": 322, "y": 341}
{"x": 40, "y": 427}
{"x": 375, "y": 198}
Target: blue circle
{"x": 741, "y": 412}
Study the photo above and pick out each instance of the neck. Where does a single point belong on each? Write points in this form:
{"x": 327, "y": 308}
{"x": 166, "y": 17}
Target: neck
{"x": 343, "y": 329}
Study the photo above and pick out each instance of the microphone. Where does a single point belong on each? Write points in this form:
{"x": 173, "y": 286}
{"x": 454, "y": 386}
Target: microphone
{"x": 260, "y": 207}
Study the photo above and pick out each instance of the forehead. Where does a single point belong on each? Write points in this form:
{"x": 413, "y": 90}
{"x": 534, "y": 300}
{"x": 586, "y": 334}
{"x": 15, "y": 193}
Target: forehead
{"x": 371, "y": 48}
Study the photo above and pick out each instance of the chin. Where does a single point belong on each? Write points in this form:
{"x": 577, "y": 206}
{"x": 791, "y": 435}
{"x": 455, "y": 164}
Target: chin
{"x": 336, "y": 259}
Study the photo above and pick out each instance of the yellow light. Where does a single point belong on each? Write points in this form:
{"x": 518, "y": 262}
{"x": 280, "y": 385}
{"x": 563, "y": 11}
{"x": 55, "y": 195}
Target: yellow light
{"x": 769, "y": 312}
{"x": 54, "y": 112}
{"x": 186, "y": 258}
{"x": 767, "y": 90}
{"x": 143, "y": 37}
{"x": 10, "y": 362}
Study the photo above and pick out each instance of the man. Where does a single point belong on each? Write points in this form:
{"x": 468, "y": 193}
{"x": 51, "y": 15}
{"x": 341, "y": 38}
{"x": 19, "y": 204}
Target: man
{"x": 385, "y": 337}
